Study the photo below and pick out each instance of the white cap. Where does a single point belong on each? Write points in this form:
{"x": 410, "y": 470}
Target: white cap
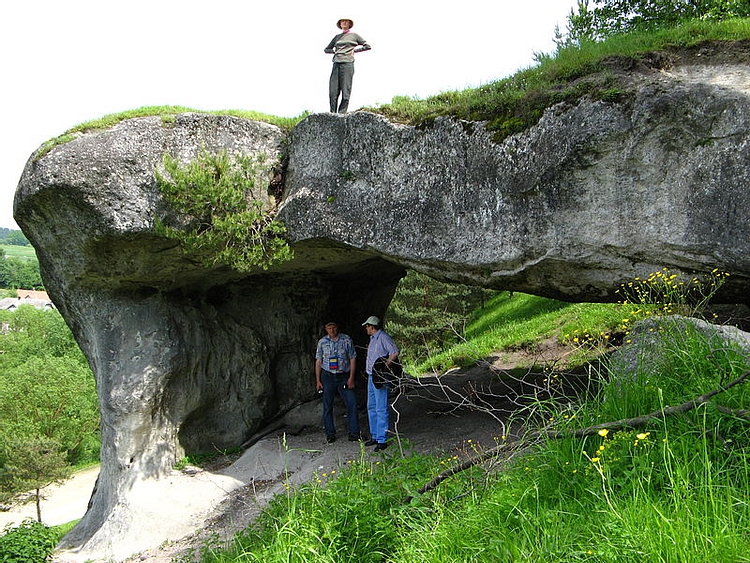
{"x": 374, "y": 321}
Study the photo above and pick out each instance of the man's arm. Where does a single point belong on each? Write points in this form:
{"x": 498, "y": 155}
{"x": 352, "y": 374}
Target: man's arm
{"x": 318, "y": 383}
{"x": 352, "y": 372}
{"x": 329, "y": 48}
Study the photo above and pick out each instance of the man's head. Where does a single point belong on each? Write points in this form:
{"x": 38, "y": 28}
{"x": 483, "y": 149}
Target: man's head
{"x": 332, "y": 328}
{"x": 372, "y": 325}
{"x": 345, "y": 24}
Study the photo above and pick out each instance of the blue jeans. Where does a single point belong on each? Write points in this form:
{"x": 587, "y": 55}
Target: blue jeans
{"x": 378, "y": 411}
{"x": 334, "y": 383}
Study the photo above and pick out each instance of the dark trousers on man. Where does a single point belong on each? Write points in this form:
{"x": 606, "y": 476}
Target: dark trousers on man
{"x": 340, "y": 83}
{"x": 333, "y": 383}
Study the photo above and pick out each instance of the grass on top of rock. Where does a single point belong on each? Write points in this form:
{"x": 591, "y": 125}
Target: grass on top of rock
{"x": 515, "y": 103}
{"x": 508, "y": 105}
{"x": 167, "y": 114}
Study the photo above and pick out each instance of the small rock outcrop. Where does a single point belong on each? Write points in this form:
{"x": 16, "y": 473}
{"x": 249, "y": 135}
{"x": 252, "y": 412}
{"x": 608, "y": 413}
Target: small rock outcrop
{"x": 189, "y": 358}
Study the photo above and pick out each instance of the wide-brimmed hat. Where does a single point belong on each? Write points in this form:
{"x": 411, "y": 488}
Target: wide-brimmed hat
{"x": 374, "y": 321}
{"x": 350, "y": 20}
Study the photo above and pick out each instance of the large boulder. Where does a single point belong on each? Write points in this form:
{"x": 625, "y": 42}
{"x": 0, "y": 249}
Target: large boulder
{"x": 190, "y": 358}
{"x": 187, "y": 358}
{"x": 593, "y": 196}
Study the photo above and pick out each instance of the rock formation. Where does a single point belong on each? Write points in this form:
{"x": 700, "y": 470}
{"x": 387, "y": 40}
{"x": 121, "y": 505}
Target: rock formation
{"x": 189, "y": 358}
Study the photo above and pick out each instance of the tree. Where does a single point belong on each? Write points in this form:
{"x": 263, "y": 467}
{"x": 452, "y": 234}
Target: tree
{"x": 49, "y": 397}
{"x": 429, "y": 314}
{"x": 594, "y": 20}
{"x": 16, "y": 273}
{"x": 49, "y": 414}
{"x": 48, "y": 403}
{"x": 16, "y": 238}
{"x": 34, "y": 332}
{"x": 31, "y": 464}
{"x": 222, "y": 220}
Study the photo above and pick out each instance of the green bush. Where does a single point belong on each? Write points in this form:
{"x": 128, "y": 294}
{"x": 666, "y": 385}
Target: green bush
{"x": 221, "y": 219}
{"x": 29, "y": 542}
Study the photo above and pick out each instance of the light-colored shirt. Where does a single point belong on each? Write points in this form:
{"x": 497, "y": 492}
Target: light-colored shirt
{"x": 334, "y": 355}
{"x": 381, "y": 344}
{"x": 344, "y": 45}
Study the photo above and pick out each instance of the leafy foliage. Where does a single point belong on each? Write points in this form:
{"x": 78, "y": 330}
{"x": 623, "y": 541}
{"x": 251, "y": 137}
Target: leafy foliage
{"x": 19, "y": 273}
{"x": 13, "y": 237}
{"x": 595, "y": 20}
{"x": 48, "y": 406}
{"x": 30, "y": 542}
{"x": 226, "y": 224}
{"x": 427, "y": 315}
{"x": 31, "y": 462}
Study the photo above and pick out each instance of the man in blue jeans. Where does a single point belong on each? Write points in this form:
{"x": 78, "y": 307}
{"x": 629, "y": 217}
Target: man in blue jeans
{"x": 381, "y": 347}
{"x": 335, "y": 367}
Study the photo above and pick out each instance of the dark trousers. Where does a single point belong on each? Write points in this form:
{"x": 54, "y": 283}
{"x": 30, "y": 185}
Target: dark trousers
{"x": 334, "y": 383}
{"x": 340, "y": 83}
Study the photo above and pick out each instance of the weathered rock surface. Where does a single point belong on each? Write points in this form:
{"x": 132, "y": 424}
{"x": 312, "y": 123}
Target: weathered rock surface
{"x": 186, "y": 359}
{"x": 189, "y": 358}
{"x": 591, "y": 197}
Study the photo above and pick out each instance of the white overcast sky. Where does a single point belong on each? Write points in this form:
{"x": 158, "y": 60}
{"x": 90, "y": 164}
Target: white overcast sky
{"x": 65, "y": 62}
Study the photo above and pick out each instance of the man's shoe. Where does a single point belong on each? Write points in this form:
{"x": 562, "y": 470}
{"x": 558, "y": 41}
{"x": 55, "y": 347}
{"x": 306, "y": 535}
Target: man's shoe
{"x": 371, "y": 442}
{"x": 381, "y": 447}
{"x": 354, "y": 437}
{"x": 330, "y": 439}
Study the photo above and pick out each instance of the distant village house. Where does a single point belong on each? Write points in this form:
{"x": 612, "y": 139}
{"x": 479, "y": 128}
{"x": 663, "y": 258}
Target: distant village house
{"x": 38, "y": 299}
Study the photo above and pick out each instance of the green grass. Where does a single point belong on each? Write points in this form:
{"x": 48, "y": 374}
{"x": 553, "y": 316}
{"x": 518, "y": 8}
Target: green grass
{"x": 521, "y": 321}
{"x": 20, "y": 252}
{"x": 167, "y": 114}
{"x": 672, "y": 490}
{"x": 517, "y": 102}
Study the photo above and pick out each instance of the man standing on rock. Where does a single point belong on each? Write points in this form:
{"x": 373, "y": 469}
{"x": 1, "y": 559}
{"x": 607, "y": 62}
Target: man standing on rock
{"x": 335, "y": 367}
{"x": 380, "y": 349}
{"x": 342, "y": 47}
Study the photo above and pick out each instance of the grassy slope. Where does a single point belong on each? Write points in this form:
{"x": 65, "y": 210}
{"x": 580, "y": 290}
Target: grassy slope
{"x": 517, "y": 102}
{"x": 662, "y": 491}
{"x": 520, "y": 321}
{"x": 22, "y": 252}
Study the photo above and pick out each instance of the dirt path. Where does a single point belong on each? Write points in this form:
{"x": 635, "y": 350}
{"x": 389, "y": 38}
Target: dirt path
{"x": 61, "y": 503}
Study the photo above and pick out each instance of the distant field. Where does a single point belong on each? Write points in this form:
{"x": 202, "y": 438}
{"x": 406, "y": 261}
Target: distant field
{"x": 21, "y": 252}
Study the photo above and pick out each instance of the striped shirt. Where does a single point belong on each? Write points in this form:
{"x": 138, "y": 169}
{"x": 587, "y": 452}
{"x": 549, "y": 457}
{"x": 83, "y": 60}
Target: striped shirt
{"x": 381, "y": 344}
{"x": 334, "y": 355}
{"x": 344, "y": 45}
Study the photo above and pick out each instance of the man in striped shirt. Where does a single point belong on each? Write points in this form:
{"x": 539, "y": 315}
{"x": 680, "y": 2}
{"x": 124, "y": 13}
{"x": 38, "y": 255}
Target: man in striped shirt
{"x": 335, "y": 367}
